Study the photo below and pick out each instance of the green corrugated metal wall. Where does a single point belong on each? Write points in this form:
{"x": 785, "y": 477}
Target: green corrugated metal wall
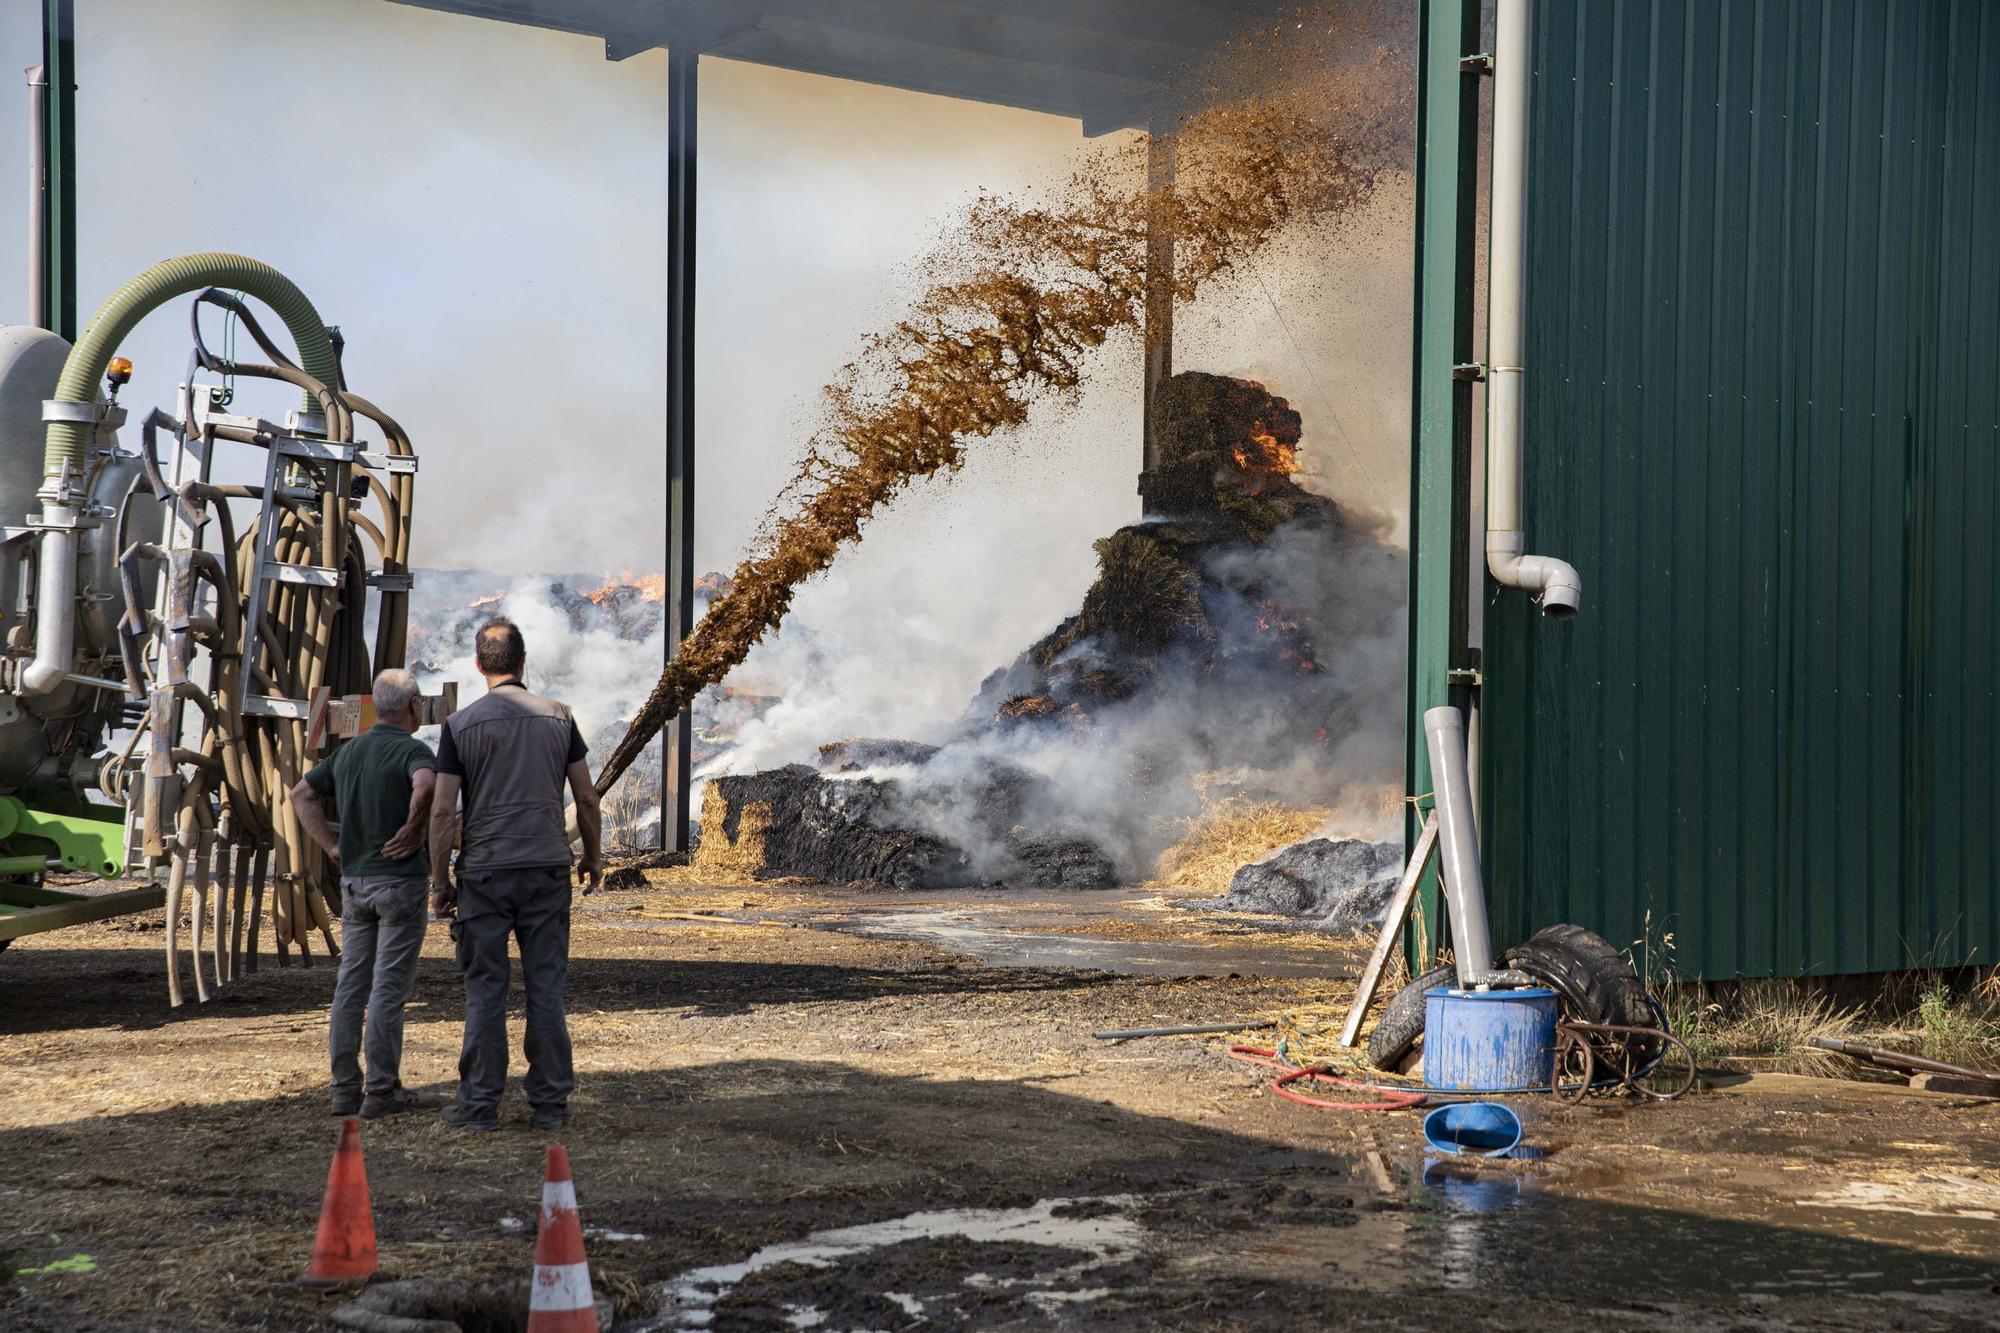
{"x": 1763, "y": 408}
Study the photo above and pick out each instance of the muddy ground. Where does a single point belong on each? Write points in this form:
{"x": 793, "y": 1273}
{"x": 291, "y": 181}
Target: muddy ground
{"x": 898, "y": 1108}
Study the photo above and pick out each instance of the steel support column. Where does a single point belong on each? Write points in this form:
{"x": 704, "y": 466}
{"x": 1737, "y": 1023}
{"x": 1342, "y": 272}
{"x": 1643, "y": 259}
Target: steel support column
{"x": 1159, "y": 285}
{"x": 1441, "y": 415}
{"x": 675, "y": 776}
{"x": 53, "y": 285}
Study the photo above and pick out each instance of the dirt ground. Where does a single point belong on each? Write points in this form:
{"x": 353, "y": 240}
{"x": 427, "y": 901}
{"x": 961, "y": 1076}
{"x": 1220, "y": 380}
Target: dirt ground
{"x": 849, "y": 1112}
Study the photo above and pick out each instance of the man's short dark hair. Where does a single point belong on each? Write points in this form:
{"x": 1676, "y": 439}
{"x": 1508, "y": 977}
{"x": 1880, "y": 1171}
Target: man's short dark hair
{"x": 500, "y": 648}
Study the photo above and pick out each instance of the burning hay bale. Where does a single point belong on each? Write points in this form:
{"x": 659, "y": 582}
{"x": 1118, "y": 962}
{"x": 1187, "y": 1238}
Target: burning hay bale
{"x": 1201, "y": 647}
{"x": 1335, "y": 884}
{"x": 1227, "y": 596}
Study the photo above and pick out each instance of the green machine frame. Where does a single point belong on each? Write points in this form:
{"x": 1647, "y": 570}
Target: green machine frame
{"x": 45, "y": 830}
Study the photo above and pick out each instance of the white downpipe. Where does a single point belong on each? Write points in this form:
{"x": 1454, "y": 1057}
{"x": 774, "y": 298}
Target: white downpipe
{"x": 1555, "y": 582}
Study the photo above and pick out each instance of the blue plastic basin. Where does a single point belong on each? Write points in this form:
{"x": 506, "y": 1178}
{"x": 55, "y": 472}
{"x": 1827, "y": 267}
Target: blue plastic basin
{"x": 1485, "y": 1129}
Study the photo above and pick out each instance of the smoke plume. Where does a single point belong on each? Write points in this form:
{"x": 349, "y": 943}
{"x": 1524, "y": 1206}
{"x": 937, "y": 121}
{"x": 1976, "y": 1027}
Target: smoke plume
{"x": 1019, "y": 299}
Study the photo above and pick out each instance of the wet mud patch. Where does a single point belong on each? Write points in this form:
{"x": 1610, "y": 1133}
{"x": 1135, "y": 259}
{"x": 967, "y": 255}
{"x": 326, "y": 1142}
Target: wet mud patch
{"x": 965, "y": 1266}
{"x": 949, "y": 1281}
{"x": 1244, "y": 1205}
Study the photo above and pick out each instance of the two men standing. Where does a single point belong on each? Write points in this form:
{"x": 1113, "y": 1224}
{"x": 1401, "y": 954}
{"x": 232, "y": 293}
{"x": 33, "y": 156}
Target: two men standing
{"x": 509, "y": 756}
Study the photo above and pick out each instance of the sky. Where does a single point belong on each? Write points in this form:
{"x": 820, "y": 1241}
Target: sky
{"x": 481, "y": 208}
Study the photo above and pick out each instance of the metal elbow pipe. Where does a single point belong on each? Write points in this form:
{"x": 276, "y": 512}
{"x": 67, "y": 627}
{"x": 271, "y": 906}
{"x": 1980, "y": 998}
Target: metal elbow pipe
{"x": 55, "y": 606}
{"x": 1554, "y": 582}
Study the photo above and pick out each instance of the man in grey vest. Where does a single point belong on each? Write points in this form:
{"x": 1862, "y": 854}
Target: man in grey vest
{"x": 509, "y": 755}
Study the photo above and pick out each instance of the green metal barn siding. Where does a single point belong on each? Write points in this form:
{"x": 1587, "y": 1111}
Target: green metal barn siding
{"x": 1763, "y": 408}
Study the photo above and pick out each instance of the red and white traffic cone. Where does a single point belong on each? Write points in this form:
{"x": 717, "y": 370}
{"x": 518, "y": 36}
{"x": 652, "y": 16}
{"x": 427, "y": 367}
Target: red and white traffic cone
{"x": 559, "y": 1301}
{"x": 344, "y": 1248}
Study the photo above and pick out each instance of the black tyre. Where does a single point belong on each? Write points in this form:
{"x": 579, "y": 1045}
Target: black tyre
{"x": 1403, "y": 1019}
{"x": 1596, "y": 983}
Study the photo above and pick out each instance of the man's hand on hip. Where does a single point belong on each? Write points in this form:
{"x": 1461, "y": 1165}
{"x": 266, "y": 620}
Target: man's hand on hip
{"x": 407, "y": 842}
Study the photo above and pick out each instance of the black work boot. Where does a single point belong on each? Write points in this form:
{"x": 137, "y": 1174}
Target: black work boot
{"x": 460, "y": 1116}
{"x": 551, "y": 1118}
{"x": 345, "y": 1103}
{"x": 393, "y": 1102}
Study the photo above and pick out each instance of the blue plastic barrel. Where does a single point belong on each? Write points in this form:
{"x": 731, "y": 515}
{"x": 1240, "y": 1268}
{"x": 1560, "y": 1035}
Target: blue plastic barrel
{"x": 1490, "y": 1041}
{"x": 1484, "y": 1129}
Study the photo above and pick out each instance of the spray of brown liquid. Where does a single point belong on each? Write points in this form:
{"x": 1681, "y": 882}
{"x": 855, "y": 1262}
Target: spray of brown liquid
{"x": 1016, "y": 303}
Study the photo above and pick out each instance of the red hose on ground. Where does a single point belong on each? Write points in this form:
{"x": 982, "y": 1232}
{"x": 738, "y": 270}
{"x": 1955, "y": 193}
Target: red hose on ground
{"x": 1266, "y": 1058}
{"x": 1391, "y": 1101}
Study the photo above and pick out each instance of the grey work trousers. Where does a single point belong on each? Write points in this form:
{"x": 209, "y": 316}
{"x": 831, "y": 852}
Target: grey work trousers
{"x": 531, "y": 904}
{"x": 381, "y": 928}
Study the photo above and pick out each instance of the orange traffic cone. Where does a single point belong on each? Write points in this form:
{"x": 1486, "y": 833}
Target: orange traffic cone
{"x": 560, "y": 1299}
{"x": 344, "y": 1250}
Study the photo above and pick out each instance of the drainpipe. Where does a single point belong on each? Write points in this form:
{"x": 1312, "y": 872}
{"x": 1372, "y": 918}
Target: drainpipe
{"x": 1554, "y": 582}
{"x": 38, "y": 188}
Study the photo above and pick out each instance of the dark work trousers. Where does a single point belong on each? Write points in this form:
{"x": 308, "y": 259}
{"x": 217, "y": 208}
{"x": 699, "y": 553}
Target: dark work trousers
{"x": 532, "y": 905}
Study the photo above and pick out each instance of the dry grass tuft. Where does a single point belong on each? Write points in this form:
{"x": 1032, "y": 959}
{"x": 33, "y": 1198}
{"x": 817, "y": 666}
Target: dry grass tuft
{"x": 1227, "y": 835}
{"x": 1772, "y": 1021}
{"x": 1956, "y": 1028}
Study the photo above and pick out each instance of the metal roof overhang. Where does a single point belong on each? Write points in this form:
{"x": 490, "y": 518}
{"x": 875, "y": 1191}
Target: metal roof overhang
{"x": 1108, "y": 63}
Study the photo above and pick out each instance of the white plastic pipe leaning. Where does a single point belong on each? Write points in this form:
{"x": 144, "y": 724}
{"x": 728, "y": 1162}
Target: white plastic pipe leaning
{"x": 1555, "y": 582}
{"x": 1458, "y": 848}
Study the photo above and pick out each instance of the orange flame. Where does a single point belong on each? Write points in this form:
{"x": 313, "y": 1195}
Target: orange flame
{"x": 1264, "y": 453}
{"x": 651, "y": 587}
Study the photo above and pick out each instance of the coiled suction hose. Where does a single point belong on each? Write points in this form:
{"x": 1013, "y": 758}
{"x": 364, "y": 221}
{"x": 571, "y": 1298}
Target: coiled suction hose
{"x": 69, "y": 441}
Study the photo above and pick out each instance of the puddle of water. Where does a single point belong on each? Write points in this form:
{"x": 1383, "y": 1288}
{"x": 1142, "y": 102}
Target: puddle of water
{"x": 688, "y": 1300}
{"x": 1927, "y": 1196}
{"x": 965, "y": 931}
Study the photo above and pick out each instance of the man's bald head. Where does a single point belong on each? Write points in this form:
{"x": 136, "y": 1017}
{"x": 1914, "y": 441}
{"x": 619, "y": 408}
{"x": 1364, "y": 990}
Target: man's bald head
{"x": 500, "y": 649}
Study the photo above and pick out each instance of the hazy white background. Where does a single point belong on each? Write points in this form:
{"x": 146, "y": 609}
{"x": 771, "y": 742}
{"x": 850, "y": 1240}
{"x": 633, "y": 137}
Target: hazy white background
{"x": 481, "y": 207}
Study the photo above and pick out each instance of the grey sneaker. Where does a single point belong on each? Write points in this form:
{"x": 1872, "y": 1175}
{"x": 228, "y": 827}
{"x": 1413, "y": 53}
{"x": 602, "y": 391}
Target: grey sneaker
{"x": 393, "y": 1102}
{"x": 551, "y": 1118}
{"x": 460, "y": 1116}
{"x": 345, "y": 1103}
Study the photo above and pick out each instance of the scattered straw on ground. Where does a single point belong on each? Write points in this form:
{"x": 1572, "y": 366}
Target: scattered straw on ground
{"x": 1227, "y": 835}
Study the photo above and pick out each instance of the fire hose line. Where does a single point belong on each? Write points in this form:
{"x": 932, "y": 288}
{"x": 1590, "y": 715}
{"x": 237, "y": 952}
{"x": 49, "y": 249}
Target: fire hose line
{"x": 1265, "y": 1057}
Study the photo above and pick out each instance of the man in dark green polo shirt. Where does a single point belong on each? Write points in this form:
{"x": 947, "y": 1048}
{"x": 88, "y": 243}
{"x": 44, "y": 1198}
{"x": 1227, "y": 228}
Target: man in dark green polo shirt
{"x": 382, "y": 781}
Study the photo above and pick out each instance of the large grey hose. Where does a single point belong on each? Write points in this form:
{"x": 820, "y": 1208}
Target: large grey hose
{"x": 68, "y": 441}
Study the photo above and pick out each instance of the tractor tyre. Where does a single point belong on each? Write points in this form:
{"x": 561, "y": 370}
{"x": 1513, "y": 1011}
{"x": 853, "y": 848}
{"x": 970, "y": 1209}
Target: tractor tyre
{"x": 1594, "y": 982}
{"x": 1402, "y": 1023}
